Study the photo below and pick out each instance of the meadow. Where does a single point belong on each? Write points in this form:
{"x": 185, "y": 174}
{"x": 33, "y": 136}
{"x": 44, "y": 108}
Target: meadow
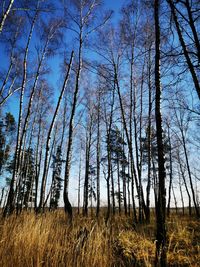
{"x": 48, "y": 240}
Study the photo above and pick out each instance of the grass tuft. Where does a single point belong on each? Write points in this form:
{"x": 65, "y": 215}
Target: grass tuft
{"x": 47, "y": 240}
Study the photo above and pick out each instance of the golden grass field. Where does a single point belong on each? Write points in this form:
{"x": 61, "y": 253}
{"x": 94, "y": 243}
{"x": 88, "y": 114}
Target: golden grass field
{"x": 47, "y": 240}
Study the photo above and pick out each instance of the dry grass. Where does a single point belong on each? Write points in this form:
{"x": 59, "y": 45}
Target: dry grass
{"x": 47, "y": 240}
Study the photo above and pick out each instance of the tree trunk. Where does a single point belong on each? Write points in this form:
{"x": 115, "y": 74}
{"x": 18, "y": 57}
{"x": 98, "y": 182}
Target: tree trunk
{"x": 131, "y": 135}
{"x": 161, "y": 257}
{"x": 133, "y": 170}
{"x": 124, "y": 181}
{"x": 175, "y": 200}
{"x": 67, "y": 204}
{"x": 108, "y": 131}
{"x": 118, "y": 183}
{"x": 79, "y": 185}
{"x": 190, "y": 175}
{"x": 184, "y": 47}
{"x": 44, "y": 176}
{"x": 185, "y": 183}
{"x": 149, "y": 140}
{"x": 181, "y": 192}
{"x": 10, "y": 205}
{"x": 128, "y": 190}
{"x": 108, "y": 197}
{"x": 171, "y": 174}
{"x": 113, "y": 189}
{"x": 87, "y": 168}
{"x": 52, "y": 151}
{"x": 98, "y": 156}
{"x": 193, "y": 28}
{"x": 2, "y": 195}
{"x": 27, "y": 117}
{"x": 38, "y": 160}
{"x": 5, "y": 15}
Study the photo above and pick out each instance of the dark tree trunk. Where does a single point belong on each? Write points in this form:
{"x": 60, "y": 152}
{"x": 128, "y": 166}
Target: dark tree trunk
{"x": 124, "y": 193}
{"x": 108, "y": 131}
{"x": 124, "y": 182}
{"x": 87, "y": 168}
{"x": 193, "y": 28}
{"x": 184, "y": 47}
{"x": 112, "y": 189}
{"x": 149, "y": 140}
{"x": 161, "y": 257}
{"x": 118, "y": 183}
{"x": 128, "y": 190}
{"x": 98, "y": 156}
{"x": 86, "y": 182}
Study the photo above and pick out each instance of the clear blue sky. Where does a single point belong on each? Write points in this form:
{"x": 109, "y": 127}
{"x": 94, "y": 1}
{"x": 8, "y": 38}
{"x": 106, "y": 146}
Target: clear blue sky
{"x": 12, "y": 106}
{"x": 115, "y": 5}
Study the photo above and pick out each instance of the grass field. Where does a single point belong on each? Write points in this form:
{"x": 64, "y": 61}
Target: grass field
{"x": 47, "y": 240}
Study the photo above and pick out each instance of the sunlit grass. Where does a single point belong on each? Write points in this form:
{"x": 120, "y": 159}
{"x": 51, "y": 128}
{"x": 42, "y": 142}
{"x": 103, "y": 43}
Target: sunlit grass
{"x": 48, "y": 240}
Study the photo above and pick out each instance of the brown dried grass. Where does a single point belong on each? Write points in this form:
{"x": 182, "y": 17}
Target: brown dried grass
{"x": 47, "y": 240}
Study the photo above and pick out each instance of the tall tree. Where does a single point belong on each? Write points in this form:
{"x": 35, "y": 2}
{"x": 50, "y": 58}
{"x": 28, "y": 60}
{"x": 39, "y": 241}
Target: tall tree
{"x": 10, "y": 205}
{"x": 44, "y": 176}
{"x": 194, "y": 71}
{"x": 161, "y": 257}
{"x": 98, "y": 148}
{"x": 85, "y": 11}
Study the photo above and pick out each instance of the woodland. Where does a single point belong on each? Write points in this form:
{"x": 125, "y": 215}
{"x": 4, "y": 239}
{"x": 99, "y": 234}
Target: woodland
{"x": 99, "y": 133}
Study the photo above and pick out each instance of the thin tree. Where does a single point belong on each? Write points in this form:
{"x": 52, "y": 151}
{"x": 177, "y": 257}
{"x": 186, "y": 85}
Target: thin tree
{"x": 98, "y": 155}
{"x": 85, "y": 10}
{"x": 161, "y": 257}
{"x": 5, "y": 15}
{"x": 10, "y": 206}
{"x": 44, "y": 176}
{"x": 191, "y": 67}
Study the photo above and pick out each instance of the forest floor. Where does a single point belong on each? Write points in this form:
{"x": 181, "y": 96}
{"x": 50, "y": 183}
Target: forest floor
{"x": 47, "y": 240}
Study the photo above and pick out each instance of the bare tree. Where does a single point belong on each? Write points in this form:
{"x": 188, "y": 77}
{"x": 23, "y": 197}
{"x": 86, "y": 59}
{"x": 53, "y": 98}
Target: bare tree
{"x": 161, "y": 257}
{"x": 82, "y": 19}
{"x": 190, "y": 64}
{"x": 5, "y": 15}
{"x": 10, "y": 206}
{"x": 44, "y": 176}
{"x": 98, "y": 145}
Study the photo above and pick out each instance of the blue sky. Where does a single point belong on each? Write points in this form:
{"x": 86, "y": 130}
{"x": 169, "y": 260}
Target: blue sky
{"x": 55, "y": 78}
{"x": 12, "y": 105}
{"x": 114, "y": 5}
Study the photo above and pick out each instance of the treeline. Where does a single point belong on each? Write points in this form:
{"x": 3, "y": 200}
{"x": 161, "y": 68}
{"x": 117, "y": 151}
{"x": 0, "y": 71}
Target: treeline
{"x": 112, "y": 101}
